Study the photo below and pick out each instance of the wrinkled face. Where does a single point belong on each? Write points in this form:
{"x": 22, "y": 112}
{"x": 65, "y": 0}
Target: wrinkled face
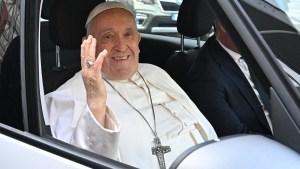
{"x": 116, "y": 31}
{"x": 3, "y": 17}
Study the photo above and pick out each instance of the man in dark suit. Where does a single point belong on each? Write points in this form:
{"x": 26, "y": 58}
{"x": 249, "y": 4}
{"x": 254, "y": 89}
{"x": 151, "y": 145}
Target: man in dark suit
{"x": 221, "y": 90}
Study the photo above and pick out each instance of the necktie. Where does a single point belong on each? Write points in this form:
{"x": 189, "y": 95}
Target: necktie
{"x": 243, "y": 66}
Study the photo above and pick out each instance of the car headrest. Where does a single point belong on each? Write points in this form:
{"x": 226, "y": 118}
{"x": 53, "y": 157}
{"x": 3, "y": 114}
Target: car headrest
{"x": 46, "y": 8}
{"x": 67, "y": 21}
{"x": 194, "y": 18}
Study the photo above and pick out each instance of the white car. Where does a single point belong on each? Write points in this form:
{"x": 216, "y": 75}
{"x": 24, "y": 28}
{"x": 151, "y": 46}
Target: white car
{"x": 38, "y": 62}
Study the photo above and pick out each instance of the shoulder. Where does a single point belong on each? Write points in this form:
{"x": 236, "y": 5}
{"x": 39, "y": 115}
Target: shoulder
{"x": 210, "y": 56}
{"x": 74, "y": 87}
{"x": 149, "y": 66}
{"x": 150, "y": 69}
{"x": 155, "y": 74}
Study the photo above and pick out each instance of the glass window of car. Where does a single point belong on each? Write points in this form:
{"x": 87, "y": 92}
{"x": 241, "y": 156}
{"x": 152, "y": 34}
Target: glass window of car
{"x": 155, "y": 16}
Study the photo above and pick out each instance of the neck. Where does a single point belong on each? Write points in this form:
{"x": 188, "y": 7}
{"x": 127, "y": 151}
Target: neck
{"x": 227, "y": 42}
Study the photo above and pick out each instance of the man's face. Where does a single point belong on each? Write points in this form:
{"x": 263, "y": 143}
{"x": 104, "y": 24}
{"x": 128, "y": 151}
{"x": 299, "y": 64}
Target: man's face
{"x": 115, "y": 31}
{"x": 3, "y": 17}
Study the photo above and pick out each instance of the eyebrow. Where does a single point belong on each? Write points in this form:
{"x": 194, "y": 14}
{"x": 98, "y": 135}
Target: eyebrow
{"x": 111, "y": 29}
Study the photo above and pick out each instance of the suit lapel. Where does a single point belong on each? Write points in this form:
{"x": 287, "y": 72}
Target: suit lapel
{"x": 231, "y": 70}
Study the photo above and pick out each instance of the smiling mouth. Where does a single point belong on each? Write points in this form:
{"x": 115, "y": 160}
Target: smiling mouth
{"x": 120, "y": 58}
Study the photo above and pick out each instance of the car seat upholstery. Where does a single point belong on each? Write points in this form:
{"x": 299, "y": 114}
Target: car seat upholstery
{"x": 50, "y": 53}
{"x": 194, "y": 20}
{"x": 46, "y": 8}
{"x": 66, "y": 29}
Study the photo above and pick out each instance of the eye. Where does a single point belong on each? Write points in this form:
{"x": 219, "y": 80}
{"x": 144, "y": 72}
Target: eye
{"x": 107, "y": 37}
{"x": 130, "y": 33}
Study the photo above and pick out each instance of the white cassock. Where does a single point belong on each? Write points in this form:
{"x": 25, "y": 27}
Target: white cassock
{"x": 179, "y": 123}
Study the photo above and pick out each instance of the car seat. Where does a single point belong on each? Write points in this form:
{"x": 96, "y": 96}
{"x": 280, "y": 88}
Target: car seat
{"x": 66, "y": 29}
{"x": 194, "y": 20}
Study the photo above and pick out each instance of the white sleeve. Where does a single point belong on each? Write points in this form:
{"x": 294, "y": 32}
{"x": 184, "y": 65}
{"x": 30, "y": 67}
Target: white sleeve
{"x": 72, "y": 121}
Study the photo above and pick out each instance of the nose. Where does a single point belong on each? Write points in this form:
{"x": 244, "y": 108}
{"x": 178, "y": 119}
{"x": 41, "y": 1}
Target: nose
{"x": 120, "y": 44}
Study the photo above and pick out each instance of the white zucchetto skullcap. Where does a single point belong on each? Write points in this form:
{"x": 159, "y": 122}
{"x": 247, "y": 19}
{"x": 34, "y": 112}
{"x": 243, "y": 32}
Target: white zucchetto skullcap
{"x": 105, "y": 6}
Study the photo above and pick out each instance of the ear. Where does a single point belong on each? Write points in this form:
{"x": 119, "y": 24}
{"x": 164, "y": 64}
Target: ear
{"x": 139, "y": 37}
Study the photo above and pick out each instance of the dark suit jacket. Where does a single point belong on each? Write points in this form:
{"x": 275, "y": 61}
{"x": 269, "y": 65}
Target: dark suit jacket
{"x": 221, "y": 91}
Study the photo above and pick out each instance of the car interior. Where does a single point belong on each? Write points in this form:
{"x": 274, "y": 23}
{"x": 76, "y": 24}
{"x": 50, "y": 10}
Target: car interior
{"x": 62, "y": 30}
{"x": 200, "y": 18}
{"x": 61, "y": 37}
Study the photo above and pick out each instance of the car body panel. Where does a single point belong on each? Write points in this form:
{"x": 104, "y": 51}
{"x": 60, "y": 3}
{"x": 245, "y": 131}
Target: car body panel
{"x": 22, "y": 155}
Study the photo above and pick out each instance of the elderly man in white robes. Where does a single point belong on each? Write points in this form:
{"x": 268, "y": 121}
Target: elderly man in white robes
{"x": 122, "y": 109}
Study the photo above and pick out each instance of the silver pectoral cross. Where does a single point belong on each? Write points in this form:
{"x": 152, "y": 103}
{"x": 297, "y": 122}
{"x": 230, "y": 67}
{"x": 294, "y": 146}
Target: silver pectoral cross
{"x": 159, "y": 151}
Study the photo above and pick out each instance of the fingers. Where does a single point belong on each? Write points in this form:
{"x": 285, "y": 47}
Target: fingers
{"x": 91, "y": 66}
{"x": 99, "y": 60}
{"x": 89, "y": 55}
{"x": 87, "y": 51}
{"x": 91, "y": 48}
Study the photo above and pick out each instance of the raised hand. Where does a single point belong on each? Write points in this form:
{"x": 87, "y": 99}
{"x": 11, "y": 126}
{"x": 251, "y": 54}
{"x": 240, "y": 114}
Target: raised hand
{"x": 91, "y": 75}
